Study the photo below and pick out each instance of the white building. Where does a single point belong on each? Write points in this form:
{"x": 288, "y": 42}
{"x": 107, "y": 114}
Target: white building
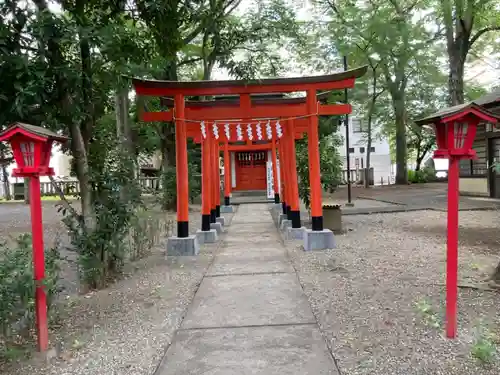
{"x": 380, "y": 158}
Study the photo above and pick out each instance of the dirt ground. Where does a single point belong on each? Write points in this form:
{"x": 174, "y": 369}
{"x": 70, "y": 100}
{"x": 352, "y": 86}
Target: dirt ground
{"x": 124, "y": 328}
{"x": 379, "y": 296}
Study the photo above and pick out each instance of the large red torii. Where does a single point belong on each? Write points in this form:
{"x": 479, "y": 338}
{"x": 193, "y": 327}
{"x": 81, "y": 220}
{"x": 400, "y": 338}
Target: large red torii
{"x": 307, "y": 108}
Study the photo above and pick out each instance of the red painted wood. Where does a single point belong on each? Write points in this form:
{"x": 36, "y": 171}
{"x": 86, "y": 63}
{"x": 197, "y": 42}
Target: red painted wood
{"x": 313, "y": 153}
{"x": 227, "y": 171}
{"x": 226, "y": 90}
{"x": 275, "y": 168}
{"x": 260, "y": 111}
{"x": 251, "y": 170}
{"x": 205, "y": 174}
{"x": 181, "y": 162}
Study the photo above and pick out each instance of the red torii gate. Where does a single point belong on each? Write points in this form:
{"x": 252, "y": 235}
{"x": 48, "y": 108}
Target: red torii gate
{"x": 245, "y": 110}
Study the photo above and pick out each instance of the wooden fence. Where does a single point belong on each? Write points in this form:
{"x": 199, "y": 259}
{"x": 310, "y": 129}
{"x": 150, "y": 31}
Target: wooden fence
{"x": 72, "y": 187}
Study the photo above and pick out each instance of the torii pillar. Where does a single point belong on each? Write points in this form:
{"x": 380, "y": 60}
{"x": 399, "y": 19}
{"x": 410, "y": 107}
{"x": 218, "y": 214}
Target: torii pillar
{"x": 183, "y": 243}
{"x": 206, "y": 234}
{"x": 316, "y": 238}
{"x": 296, "y": 230}
{"x": 276, "y": 184}
{"x": 227, "y": 208}
{"x": 215, "y": 184}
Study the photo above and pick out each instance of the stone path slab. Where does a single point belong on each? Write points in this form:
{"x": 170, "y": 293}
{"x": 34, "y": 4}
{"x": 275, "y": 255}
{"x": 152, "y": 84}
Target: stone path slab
{"x": 249, "y": 263}
{"x": 248, "y": 300}
{"x": 249, "y": 315}
{"x": 285, "y": 350}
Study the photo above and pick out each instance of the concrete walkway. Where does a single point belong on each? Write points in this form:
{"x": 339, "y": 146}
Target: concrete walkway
{"x": 250, "y": 315}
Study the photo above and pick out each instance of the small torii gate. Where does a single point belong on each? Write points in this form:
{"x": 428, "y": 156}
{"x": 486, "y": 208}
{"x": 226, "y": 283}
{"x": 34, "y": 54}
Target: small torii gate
{"x": 239, "y": 118}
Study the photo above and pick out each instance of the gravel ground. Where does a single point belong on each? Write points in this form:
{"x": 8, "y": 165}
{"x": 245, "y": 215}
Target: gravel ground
{"x": 15, "y": 219}
{"x": 126, "y": 328}
{"x": 365, "y": 293}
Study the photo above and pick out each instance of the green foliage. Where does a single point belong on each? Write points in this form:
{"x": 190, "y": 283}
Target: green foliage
{"x": 167, "y": 197}
{"x": 330, "y": 165}
{"x": 484, "y": 348}
{"x": 424, "y": 175}
{"x": 116, "y": 196}
{"x": 17, "y": 292}
{"x": 427, "y": 313}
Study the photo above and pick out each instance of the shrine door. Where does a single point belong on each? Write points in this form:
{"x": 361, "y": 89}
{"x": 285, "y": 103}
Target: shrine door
{"x": 251, "y": 170}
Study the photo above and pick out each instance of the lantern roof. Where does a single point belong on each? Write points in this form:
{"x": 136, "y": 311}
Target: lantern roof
{"x": 491, "y": 99}
{"x": 459, "y": 111}
{"x": 31, "y": 131}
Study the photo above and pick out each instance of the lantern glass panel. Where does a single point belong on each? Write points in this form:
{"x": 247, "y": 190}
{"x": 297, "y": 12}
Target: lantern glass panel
{"x": 460, "y": 133}
{"x": 28, "y": 152}
{"x": 46, "y": 154}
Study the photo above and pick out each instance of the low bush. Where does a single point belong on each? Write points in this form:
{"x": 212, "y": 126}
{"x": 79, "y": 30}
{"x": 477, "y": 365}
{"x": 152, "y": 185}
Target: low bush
{"x": 17, "y": 292}
{"x": 422, "y": 176}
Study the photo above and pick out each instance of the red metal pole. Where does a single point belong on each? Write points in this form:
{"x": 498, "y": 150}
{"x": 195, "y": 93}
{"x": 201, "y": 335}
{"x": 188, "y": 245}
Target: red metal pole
{"x": 38, "y": 264}
{"x": 452, "y": 248}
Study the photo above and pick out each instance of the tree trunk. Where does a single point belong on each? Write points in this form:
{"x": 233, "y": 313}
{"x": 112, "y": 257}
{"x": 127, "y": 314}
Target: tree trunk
{"x": 456, "y": 77}
{"x": 401, "y": 147}
{"x": 123, "y": 129}
{"x": 6, "y": 183}
{"x": 26, "y": 190}
{"x": 418, "y": 163}
{"x": 5, "y": 175}
{"x": 369, "y": 130}
{"x": 78, "y": 149}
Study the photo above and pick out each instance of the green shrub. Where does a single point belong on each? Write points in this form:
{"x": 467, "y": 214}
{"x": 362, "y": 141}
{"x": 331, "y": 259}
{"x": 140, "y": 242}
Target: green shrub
{"x": 422, "y": 175}
{"x": 17, "y": 291}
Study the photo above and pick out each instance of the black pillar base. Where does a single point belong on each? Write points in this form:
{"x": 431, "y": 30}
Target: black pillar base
{"x": 276, "y": 198}
{"x": 295, "y": 217}
{"x": 227, "y": 201}
{"x": 205, "y": 222}
{"x": 283, "y": 204}
{"x": 288, "y": 212}
{"x": 213, "y": 215}
{"x": 183, "y": 229}
{"x": 217, "y": 211}
{"x": 317, "y": 223}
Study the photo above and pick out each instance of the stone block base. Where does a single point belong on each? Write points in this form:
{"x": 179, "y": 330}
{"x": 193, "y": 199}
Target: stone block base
{"x": 217, "y": 226}
{"x": 221, "y": 220}
{"x": 183, "y": 246}
{"x": 277, "y": 207}
{"x": 227, "y": 209}
{"x": 295, "y": 233}
{"x": 207, "y": 236}
{"x": 318, "y": 240}
{"x": 281, "y": 218}
{"x": 285, "y": 224}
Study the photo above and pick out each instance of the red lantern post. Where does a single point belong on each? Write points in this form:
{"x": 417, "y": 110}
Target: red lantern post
{"x": 455, "y": 130}
{"x": 31, "y": 146}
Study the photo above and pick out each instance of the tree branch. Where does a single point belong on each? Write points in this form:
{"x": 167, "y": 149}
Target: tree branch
{"x": 483, "y": 31}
